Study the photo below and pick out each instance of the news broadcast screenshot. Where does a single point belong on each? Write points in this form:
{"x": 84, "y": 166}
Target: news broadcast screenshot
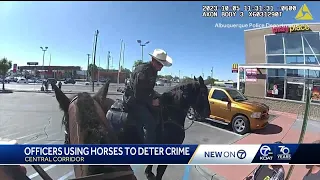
{"x": 159, "y": 90}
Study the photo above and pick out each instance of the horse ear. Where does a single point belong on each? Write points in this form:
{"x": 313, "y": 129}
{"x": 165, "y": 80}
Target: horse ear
{"x": 201, "y": 81}
{"x": 103, "y": 91}
{"x": 195, "y": 78}
{"x": 62, "y": 99}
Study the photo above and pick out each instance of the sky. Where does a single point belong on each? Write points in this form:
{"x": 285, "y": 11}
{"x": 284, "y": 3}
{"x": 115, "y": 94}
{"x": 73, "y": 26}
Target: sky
{"x": 192, "y": 41}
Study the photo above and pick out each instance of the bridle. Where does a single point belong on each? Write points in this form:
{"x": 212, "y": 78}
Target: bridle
{"x": 66, "y": 132}
{"x": 162, "y": 107}
{"x": 106, "y": 176}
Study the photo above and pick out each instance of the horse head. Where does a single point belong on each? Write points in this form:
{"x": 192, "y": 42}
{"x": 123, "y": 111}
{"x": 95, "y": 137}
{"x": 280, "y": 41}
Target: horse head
{"x": 201, "y": 105}
{"x": 101, "y": 97}
{"x": 185, "y": 95}
{"x": 82, "y": 105}
{"x": 85, "y": 123}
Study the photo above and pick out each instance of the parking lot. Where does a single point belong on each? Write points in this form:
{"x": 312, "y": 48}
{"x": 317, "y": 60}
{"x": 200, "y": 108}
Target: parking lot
{"x": 34, "y": 118}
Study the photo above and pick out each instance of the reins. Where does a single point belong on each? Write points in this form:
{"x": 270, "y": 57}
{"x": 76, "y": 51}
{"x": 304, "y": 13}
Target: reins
{"x": 173, "y": 122}
{"x": 67, "y": 123}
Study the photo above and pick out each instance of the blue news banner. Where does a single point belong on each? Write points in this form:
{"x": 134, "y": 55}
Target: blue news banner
{"x": 288, "y": 153}
{"x": 160, "y": 154}
{"x": 96, "y": 154}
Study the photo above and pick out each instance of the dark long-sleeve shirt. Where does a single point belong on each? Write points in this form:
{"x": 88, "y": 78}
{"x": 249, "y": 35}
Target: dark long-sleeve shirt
{"x": 143, "y": 80}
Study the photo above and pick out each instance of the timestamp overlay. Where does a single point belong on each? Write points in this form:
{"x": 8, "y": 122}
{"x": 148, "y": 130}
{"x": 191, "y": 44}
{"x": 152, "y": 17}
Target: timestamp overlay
{"x": 246, "y": 11}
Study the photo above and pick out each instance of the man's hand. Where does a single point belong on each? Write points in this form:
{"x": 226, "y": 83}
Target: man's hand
{"x": 155, "y": 102}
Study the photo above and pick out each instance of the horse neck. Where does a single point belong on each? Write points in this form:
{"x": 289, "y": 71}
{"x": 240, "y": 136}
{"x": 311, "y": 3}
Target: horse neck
{"x": 178, "y": 109}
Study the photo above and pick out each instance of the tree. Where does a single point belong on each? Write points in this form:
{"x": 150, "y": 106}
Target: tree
{"x": 210, "y": 80}
{"x": 5, "y": 65}
{"x": 168, "y": 77}
{"x": 127, "y": 72}
{"x": 91, "y": 67}
{"x": 137, "y": 62}
{"x": 160, "y": 76}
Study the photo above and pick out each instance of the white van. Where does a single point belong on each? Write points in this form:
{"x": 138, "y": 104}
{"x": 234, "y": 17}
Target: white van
{"x": 21, "y": 80}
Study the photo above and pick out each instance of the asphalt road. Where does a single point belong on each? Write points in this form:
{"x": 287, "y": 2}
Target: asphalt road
{"x": 34, "y": 118}
{"x": 78, "y": 87}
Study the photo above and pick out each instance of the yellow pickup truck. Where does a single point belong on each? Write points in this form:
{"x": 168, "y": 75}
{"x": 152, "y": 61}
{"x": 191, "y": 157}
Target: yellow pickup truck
{"x": 230, "y": 107}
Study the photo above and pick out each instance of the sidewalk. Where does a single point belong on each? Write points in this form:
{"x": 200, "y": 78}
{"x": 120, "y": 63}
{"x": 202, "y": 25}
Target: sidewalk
{"x": 65, "y": 92}
{"x": 286, "y": 128}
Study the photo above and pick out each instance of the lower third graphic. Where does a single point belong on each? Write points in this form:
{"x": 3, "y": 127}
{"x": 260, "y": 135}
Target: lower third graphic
{"x": 266, "y": 153}
{"x": 285, "y": 153}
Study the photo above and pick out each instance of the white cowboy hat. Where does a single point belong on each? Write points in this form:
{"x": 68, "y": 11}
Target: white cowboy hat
{"x": 162, "y": 57}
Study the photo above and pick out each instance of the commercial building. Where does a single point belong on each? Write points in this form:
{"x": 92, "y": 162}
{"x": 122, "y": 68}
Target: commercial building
{"x": 75, "y": 72}
{"x": 58, "y": 72}
{"x": 282, "y": 62}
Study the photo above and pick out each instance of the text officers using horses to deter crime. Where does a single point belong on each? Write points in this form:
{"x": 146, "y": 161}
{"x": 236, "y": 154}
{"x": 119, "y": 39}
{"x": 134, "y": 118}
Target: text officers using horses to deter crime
{"x": 140, "y": 96}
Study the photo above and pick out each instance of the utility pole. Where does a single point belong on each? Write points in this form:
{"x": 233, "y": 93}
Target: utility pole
{"x": 108, "y": 61}
{"x": 44, "y": 52}
{"x": 50, "y": 60}
{"x": 99, "y": 72}
{"x": 94, "y": 59}
{"x": 88, "y": 67}
{"x": 211, "y": 76}
{"x": 179, "y": 75}
{"x": 111, "y": 62}
{"x": 212, "y": 73}
{"x": 119, "y": 70}
{"x": 142, "y": 45}
{"x": 124, "y": 48}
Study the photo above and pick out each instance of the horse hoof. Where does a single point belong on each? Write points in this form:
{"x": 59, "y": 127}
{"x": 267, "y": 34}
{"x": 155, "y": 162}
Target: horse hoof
{"x": 150, "y": 176}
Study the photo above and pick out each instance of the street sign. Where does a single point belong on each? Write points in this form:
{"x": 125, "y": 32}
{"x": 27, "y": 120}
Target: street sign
{"x": 32, "y": 63}
{"x": 15, "y": 68}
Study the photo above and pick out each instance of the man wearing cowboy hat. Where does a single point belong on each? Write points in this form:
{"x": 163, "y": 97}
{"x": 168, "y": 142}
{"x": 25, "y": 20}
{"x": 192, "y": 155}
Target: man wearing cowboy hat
{"x": 140, "y": 95}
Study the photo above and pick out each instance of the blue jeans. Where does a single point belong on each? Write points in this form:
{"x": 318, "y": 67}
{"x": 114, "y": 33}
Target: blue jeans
{"x": 144, "y": 119}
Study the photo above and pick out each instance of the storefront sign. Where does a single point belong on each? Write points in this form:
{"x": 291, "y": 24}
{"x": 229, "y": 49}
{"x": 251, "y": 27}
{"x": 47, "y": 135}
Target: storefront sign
{"x": 32, "y": 63}
{"x": 251, "y": 75}
{"x": 15, "y": 68}
{"x": 251, "y": 79}
{"x": 251, "y": 72}
{"x": 315, "y": 93}
{"x": 234, "y": 68}
{"x": 295, "y": 80}
{"x": 291, "y": 29}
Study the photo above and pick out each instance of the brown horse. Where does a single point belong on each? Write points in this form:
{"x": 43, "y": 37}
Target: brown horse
{"x": 85, "y": 123}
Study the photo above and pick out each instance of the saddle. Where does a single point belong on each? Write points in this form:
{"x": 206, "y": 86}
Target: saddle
{"x": 118, "y": 115}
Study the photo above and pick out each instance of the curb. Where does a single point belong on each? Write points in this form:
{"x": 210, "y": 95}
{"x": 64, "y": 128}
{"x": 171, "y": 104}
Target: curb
{"x": 208, "y": 174}
{"x": 6, "y": 91}
{"x": 67, "y": 92}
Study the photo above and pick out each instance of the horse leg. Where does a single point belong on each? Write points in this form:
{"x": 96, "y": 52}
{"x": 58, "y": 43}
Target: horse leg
{"x": 148, "y": 172}
{"x": 160, "y": 171}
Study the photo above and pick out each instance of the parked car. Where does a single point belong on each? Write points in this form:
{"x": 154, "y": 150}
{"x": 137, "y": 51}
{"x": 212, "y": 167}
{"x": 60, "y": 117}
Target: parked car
{"x": 230, "y": 107}
{"x": 9, "y": 79}
{"x": 21, "y": 80}
{"x": 51, "y": 80}
{"x": 5, "y": 80}
{"x": 70, "y": 81}
{"x": 159, "y": 83}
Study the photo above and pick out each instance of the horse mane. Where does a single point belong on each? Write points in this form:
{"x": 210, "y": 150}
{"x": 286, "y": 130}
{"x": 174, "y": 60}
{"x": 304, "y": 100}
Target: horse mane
{"x": 191, "y": 85}
{"x": 176, "y": 93}
{"x": 92, "y": 128}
